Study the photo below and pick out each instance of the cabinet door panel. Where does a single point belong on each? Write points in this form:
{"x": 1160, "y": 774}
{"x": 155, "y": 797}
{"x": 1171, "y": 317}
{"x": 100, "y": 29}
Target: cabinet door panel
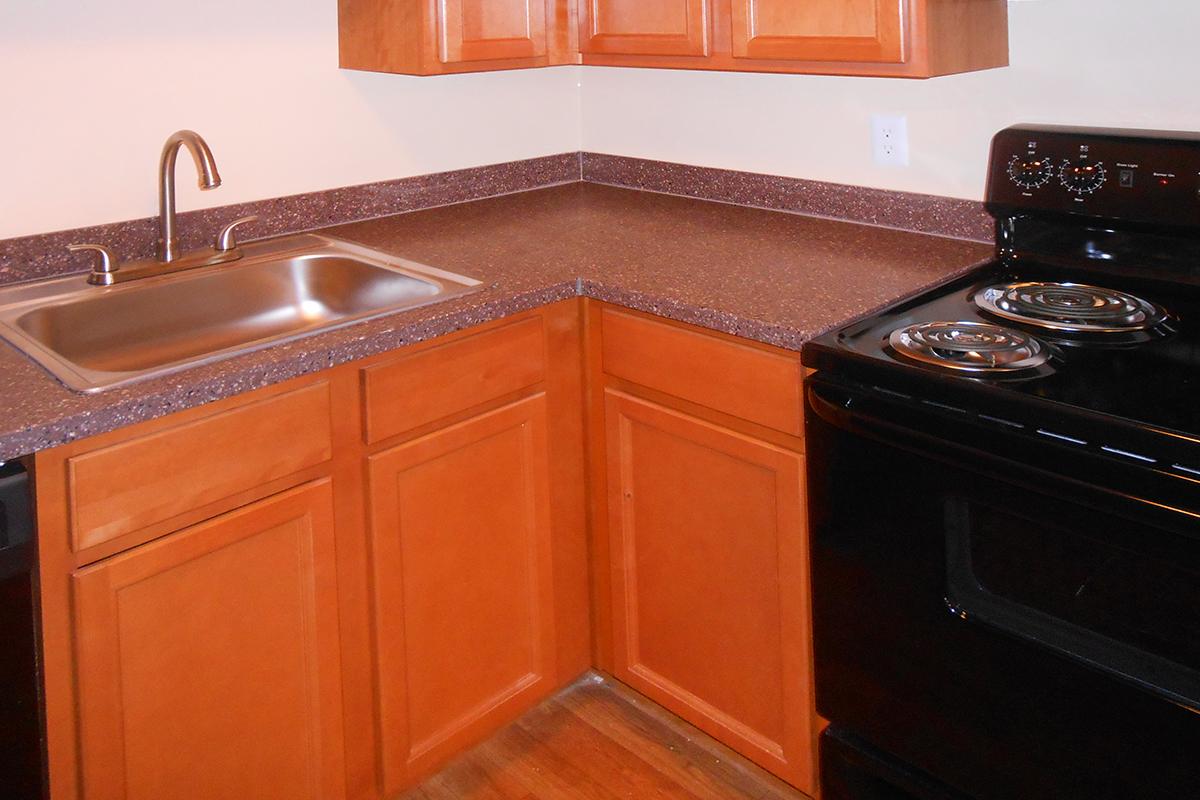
{"x": 208, "y": 660}
{"x": 820, "y": 30}
{"x": 710, "y": 583}
{"x": 463, "y": 584}
{"x": 646, "y": 27}
{"x": 482, "y": 30}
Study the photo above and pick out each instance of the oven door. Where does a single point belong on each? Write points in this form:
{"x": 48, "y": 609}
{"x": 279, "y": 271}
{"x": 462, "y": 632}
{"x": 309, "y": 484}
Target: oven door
{"x": 994, "y": 611}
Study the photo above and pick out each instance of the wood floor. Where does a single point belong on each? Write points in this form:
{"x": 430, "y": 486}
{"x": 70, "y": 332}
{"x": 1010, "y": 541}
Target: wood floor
{"x": 598, "y": 740}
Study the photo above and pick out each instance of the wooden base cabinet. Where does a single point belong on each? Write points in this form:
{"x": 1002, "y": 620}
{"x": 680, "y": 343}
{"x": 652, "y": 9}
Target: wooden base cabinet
{"x": 463, "y": 608}
{"x": 710, "y": 581}
{"x": 324, "y": 588}
{"x": 208, "y": 665}
{"x": 700, "y": 535}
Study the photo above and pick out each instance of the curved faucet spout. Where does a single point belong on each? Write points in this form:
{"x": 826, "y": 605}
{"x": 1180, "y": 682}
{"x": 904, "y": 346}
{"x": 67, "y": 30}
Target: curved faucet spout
{"x": 206, "y": 167}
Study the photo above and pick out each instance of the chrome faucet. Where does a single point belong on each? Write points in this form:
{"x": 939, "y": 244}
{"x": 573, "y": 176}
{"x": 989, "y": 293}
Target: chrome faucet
{"x": 206, "y": 166}
{"x": 107, "y": 271}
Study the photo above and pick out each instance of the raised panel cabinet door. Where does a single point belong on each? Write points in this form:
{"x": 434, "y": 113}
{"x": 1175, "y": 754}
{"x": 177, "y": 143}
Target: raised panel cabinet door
{"x": 820, "y": 30}
{"x": 462, "y": 581}
{"x": 710, "y": 580}
{"x": 208, "y": 661}
{"x": 484, "y": 30}
{"x": 646, "y": 27}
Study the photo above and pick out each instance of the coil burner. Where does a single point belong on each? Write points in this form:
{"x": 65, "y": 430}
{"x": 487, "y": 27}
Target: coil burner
{"x": 1070, "y": 308}
{"x": 972, "y": 347}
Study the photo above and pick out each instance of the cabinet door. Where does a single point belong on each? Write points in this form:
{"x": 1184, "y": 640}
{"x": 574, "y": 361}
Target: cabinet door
{"x": 646, "y": 27}
{"x": 463, "y": 611}
{"x": 208, "y": 660}
{"x": 820, "y": 30}
{"x": 483, "y": 30}
{"x": 710, "y": 580}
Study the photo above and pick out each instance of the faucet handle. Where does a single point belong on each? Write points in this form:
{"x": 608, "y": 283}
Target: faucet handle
{"x": 105, "y": 266}
{"x": 226, "y": 240}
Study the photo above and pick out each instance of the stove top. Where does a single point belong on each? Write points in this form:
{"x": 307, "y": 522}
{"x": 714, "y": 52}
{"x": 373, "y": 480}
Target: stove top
{"x": 974, "y": 348}
{"x": 1091, "y": 308}
{"x": 1070, "y": 308}
{"x": 1147, "y": 375}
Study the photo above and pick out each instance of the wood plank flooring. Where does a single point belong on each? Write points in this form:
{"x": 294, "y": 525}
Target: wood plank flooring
{"x": 599, "y": 740}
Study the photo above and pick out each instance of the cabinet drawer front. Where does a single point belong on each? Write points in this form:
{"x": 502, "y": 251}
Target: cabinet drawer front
{"x": 825, "y": 30}
{"x": 127, "y": 486}
{"x": 646, "y": 27}
{"x": 735, "y": 379}
{"x": 415, "y": 390}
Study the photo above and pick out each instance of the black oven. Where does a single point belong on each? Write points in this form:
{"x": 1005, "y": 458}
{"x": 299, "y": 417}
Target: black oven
{"x": 998, "y": 612}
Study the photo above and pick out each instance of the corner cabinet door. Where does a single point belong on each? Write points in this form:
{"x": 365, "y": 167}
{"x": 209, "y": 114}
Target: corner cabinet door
{"x": 463, "y": 611}
{"x": 821, "y": 30}
{"x": 486, "y": 30}
{"x": 646, "y": 27}
{"x": 710, "y": 580}
{"x": 208, "y": 661}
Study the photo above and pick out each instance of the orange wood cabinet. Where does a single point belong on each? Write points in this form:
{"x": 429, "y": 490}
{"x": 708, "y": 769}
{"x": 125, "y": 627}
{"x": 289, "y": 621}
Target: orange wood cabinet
{"x": 324, "y": 588}
{"x": 901, "y": 38}
{"x": 646, "y": 27}
{"x": 432, "y": 37}
{"x": 208, "y": 661}
{"x": 702, "y": 596}
{"x": 463, "y": 574}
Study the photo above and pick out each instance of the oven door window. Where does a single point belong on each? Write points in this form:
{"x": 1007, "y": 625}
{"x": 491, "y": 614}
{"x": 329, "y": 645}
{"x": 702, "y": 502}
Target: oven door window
{"x": 1117, "y": 595}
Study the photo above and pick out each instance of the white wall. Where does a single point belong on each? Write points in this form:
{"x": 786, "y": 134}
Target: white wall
{"x": 89, "y": 89}
{"x": 1133, "y": 63}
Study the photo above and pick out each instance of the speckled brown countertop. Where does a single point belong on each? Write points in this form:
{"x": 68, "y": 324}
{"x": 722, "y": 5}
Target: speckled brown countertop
{"x": 773, "y": 277}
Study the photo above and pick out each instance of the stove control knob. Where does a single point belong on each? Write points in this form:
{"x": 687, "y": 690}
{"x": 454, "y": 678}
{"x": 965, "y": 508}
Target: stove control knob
{"x": 1082, "y": 177}
{"x": 1030, "y": 172}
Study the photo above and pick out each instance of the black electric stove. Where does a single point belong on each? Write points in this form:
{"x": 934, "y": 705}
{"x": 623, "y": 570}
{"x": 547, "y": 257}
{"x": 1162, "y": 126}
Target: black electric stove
{"x": 1005, "y": 523}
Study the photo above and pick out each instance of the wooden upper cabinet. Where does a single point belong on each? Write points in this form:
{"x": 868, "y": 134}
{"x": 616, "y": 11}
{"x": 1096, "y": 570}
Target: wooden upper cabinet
{"x": 894, "y": 38}
{"x": 891, "y": 38}
{"x": 433, "y": 37}
{"x": 646, "y": 27}
{"x": 208, "y": 660}
{"x": 820, "y": 30}
{"x": 487, "y": 30}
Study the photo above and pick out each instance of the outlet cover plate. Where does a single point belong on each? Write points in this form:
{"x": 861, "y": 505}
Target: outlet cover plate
{"x": 889, "y": 140}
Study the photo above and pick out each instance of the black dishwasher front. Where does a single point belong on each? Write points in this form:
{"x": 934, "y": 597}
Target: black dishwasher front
{"x": 21, "y": 746}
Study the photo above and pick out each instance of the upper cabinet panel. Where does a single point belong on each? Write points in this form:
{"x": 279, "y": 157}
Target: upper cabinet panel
{"x": 486, "y": 30}
{"x": 891, "y": 38}
{"x": 820, "y": 30}
{"x": 646, "y": 27}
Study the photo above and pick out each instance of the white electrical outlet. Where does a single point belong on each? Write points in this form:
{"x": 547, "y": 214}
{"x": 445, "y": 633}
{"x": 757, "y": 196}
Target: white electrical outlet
{"x": 889, "y": 140}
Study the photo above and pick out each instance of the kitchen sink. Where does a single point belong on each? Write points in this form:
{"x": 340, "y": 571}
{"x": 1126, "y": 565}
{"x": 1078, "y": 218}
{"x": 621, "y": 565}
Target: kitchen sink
{"x": 94, "y": 338}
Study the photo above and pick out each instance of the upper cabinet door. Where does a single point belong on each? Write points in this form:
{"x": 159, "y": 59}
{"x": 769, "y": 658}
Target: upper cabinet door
{"x": 487, "y": 30}
{"x": 820, "y": 30}
{"x": 646, "y": 27}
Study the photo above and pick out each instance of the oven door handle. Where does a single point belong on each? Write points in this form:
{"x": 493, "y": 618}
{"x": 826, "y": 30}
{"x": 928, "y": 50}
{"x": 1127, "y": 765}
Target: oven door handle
{"x": 850, "y": 415}
{"x": 1020, "y": 458}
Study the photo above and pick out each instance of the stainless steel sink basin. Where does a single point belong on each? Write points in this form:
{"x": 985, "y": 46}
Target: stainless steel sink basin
{"x": 94, "y": 338}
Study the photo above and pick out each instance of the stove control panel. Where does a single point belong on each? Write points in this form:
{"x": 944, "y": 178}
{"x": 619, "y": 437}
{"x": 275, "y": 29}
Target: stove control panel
{"x": 1146, "y": 177}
